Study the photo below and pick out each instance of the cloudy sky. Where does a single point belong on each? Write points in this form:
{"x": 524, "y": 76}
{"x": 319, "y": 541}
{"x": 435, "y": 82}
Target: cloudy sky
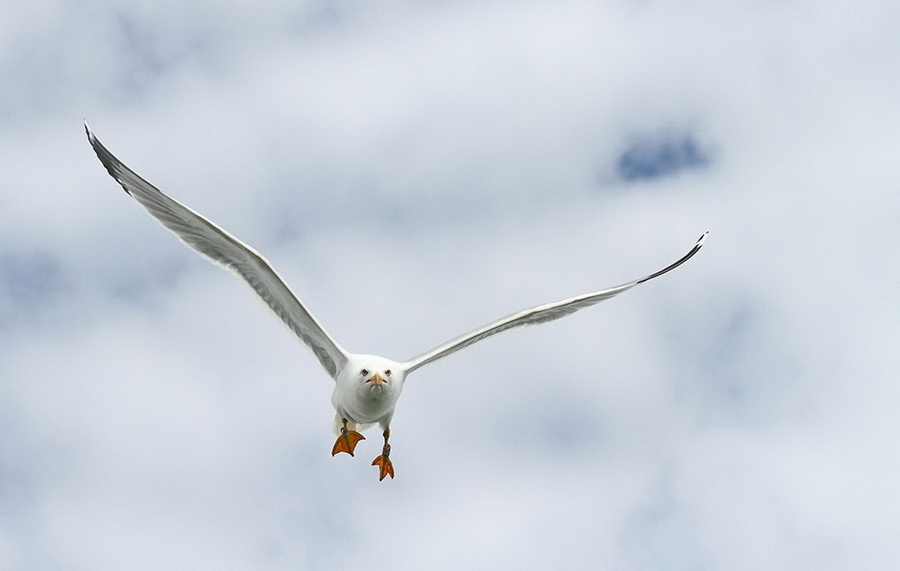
{"x": 415, "y": 168}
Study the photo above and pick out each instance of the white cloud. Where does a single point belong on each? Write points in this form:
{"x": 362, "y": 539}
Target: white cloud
{"x": 413, "y": 171}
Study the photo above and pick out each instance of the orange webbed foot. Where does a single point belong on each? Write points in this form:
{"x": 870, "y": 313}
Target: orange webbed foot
{"x": 385, "y": 466}
{"x": 347, "y": 442}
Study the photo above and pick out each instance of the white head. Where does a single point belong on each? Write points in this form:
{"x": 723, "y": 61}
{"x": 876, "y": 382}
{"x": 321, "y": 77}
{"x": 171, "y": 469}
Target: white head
{"x": 373, "y": 376}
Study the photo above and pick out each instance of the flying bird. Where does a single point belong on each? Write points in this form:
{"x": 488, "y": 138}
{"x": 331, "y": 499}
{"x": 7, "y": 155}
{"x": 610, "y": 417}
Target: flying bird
{"x": 366, "y": 387}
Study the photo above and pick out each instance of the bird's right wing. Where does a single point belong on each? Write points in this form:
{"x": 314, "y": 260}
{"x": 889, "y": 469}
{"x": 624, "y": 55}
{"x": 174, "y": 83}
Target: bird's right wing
{"x": 539, "y": 314}
{"x": 221, "y": 247}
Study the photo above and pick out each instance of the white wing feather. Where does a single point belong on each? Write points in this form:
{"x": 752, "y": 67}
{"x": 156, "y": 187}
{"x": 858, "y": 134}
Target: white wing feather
{"x": 539, "y": 314}
{"x": 221, "y": 247}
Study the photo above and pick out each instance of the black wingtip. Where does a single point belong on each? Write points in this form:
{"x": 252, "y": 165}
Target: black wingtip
{"x": 88, "y": 132}
{"x": 683, "y": 259}
{"x": 701, "y": 240}
{"x": 107, "y": 159}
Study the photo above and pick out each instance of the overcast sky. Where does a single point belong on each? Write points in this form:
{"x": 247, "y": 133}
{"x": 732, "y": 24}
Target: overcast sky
{"x": 416, "y": 168}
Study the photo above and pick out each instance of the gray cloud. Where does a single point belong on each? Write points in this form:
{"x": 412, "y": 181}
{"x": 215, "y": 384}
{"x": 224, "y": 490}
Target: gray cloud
{"x": 650, "y": 158}
{"x": 415, "y": 170}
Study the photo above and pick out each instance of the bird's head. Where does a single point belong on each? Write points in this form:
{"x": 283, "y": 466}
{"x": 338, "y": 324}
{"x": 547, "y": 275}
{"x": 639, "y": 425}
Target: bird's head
{"x": 377, "y": 376}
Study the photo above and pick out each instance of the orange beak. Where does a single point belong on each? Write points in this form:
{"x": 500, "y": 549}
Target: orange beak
{"x": 377, "y": 380}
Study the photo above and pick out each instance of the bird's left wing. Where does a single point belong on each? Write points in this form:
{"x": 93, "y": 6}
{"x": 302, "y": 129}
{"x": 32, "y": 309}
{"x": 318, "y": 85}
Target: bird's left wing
{"x": 540, "y": 314}
{"x": 223, "y": 248}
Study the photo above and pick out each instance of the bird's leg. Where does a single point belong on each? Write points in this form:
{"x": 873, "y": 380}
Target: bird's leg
{"x": 385, "y": 467}
{"x": 347, "y": 440}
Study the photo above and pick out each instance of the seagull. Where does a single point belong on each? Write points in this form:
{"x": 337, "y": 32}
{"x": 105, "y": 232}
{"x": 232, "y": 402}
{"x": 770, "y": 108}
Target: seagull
{"x": 366, "y": 387}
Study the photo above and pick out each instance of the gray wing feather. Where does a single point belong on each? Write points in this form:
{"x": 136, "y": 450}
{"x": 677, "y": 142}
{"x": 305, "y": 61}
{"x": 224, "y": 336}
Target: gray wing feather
{"x": 540, "y": 314}
{"x": 221, "y": 247}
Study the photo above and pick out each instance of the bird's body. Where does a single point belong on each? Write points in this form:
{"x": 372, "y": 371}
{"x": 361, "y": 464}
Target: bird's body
{"x": 366, "y": 386}
{"x": 366, "y": 403}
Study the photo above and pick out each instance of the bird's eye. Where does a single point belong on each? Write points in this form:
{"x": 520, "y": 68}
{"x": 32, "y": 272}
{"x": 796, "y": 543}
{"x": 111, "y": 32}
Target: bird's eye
{"x": 364, "y": 372}
{"x": 387, "y": 373}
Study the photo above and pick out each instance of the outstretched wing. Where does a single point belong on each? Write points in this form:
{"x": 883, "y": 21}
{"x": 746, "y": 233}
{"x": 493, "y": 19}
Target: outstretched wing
{"x": 540, "y": 314}
{"x": 223, "y": 248}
